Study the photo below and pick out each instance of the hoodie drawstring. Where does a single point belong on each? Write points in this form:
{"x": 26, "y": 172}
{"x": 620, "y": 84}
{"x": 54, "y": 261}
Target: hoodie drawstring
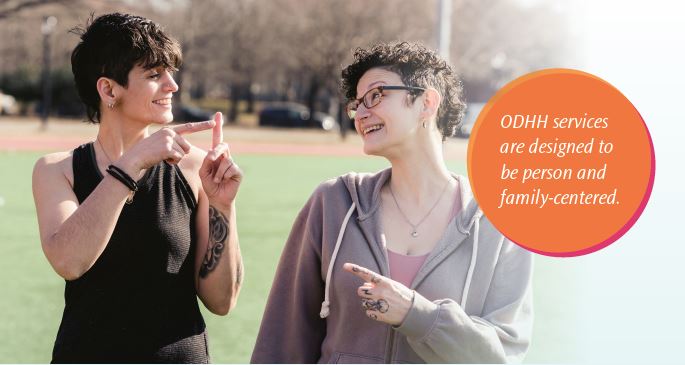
{"x": 326, "y": 303}
{"x": 472, "y": 266}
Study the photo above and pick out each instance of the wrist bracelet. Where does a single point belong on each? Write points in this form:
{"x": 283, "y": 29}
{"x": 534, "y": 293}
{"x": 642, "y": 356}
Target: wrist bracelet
{"x": 125, "y": 179}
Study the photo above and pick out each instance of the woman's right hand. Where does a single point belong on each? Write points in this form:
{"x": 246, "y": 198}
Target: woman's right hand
{"x": 167, "y": 144}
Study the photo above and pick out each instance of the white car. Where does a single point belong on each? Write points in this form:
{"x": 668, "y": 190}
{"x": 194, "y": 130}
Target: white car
{"x": 8, "y": 104}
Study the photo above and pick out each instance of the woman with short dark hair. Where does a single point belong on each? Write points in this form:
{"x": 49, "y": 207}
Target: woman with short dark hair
{"x": 401, "y": 265}
{"x": 139, "y": 224}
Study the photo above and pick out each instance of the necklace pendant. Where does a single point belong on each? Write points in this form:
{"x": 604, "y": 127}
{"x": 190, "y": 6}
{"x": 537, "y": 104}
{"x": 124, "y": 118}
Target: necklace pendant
{"x": 414, "y": 234}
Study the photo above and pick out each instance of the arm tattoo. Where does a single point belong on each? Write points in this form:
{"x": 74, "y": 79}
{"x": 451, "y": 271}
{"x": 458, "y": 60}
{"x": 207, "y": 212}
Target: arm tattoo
{"x": 218, "y": 234}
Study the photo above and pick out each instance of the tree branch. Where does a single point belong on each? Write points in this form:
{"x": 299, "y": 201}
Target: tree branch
{"x": 5, "y": 13}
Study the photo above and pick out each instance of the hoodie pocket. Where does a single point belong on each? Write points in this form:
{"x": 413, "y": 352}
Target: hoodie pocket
{"x": 346, "y": 358}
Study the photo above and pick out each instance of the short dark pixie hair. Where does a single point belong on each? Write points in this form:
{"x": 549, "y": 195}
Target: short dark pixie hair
{"x": 417, "y": 66}
{"x": 110, "y": 46}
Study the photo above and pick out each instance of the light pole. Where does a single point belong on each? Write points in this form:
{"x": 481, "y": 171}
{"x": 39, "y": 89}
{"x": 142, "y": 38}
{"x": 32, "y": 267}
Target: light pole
{"x": 47, "y": 28}
{"x": 444, "y": 28}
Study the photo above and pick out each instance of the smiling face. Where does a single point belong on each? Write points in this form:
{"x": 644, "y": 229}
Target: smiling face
{"x": 392, "y": 123}
{"x": 147, "y": 98}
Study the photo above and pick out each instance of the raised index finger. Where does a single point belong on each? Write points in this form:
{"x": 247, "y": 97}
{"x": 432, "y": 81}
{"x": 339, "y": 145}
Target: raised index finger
{"x": 218, "y": 131}
{"x": 193, "y": 127}
{"x": 364, "y": 273}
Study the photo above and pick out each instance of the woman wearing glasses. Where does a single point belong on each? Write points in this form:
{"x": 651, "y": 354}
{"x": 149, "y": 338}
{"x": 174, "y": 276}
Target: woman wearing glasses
{"x": 400, "y": 265}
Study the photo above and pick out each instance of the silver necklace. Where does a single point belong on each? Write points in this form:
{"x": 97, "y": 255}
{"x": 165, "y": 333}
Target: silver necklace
{"x": 97, "y": 139}
{"x": 414, "y": 233}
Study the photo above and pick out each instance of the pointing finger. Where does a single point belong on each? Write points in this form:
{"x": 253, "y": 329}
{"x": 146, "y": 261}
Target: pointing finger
{"x": 218, "y": 132}
{"x": 193, "y": 127}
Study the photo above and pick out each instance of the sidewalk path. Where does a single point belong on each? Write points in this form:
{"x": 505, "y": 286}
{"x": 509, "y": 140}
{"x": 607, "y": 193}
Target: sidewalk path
{"x": 26, "y": 134}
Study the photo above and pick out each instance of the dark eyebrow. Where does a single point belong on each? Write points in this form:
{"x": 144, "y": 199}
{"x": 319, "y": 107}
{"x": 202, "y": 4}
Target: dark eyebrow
{"x": 159, "y": 68}
{"x": 373, "y": 85}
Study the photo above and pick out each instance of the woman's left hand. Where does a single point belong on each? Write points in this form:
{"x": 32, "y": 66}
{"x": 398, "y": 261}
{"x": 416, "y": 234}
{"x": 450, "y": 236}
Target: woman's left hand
{"x": 384, "y": 299}
{"x": 220, "y": 175}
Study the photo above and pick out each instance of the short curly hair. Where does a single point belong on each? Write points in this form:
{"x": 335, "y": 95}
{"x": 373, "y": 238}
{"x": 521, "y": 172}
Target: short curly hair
{"x": 417, "y": 66}
{"x": 110, "y": 46}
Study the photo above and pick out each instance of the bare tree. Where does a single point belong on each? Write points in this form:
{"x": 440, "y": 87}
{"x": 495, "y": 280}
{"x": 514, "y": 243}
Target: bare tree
{"x": 11, "y": 7}
{"x": 295, "y": 49}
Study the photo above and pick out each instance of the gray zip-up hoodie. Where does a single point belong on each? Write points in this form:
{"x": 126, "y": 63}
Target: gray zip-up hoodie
{"x": 473, "y": 299}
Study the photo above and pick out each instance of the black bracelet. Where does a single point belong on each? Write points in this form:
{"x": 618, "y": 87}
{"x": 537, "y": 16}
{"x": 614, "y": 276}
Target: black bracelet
{"x": 125, "y": 179}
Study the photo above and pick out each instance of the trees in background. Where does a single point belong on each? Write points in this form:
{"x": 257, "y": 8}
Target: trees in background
{"x": 293, "y": 50}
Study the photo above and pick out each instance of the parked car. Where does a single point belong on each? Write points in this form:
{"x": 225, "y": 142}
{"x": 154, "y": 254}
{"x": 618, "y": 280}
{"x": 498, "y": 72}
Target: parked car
{"x": 8, "y": 104}
{"x": 294, "y": 115}
{"x": 472, "y": 112}
{"x": 187, "y": 113}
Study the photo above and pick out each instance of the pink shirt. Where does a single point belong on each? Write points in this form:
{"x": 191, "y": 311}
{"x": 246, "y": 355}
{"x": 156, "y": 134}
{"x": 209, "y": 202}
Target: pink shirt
{"x": 404, "y": 268}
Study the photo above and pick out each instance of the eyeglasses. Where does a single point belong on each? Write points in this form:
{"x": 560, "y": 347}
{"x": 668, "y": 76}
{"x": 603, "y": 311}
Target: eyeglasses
{"x": 374, "y": 96}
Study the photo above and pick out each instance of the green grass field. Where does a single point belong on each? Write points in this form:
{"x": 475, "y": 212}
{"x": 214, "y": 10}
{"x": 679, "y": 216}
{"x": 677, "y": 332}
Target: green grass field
{"x": 274, "y": 189}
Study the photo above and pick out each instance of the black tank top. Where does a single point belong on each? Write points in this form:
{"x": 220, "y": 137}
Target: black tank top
{"x": 137, "y": 303}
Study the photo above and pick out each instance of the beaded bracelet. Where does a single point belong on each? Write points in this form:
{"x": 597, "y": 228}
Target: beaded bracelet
{"x": 125, "y": 179}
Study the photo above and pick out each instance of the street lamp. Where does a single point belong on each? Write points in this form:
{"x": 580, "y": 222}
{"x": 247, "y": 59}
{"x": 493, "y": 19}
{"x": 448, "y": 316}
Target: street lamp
{"x": 444, "y": 28}
{"x": 47, "y": 28}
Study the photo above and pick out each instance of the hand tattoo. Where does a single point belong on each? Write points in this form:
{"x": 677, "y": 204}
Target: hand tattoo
{"x": 374, "y": 278}
{"x": 381, "y": 305}
{"x": 218, "y": 233}
{"x": 373, "y": 316}
{"x": 367, "y": 291}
